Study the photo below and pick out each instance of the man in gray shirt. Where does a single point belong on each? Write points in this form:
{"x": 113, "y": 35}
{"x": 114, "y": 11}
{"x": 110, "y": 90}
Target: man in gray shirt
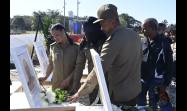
{"x": 121, "y": 60}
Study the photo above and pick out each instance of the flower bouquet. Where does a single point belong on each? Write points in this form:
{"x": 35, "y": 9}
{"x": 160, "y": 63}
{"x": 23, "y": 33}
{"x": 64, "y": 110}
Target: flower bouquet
{"x": 58, "y": 96}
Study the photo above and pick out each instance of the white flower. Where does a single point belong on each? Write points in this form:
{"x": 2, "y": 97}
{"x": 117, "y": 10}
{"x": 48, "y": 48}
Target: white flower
{"x": 115, "y": 108}
{"x": 50, "y": 96}
{"x": 44, "y": 103}
{"x": 42, "y": 94}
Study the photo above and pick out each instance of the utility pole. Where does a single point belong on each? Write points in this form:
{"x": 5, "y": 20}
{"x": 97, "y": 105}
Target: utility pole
{"x": 64, "y": 14}
{"x": 78, "y": 9}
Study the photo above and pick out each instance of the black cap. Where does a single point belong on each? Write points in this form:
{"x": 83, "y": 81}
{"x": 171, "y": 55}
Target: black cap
{"x": 89, "y": 26}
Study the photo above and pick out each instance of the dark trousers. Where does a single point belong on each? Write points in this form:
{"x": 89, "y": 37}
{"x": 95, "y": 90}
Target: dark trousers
{"x": 127, "y": 105}
{"x": 150, "y": 87}
{"x": 131, "y": 102}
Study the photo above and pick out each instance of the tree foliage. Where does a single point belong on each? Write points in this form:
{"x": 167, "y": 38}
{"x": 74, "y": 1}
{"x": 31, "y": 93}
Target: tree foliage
{"x": 128, "y": 21}
{"x": 21, "y": 23}
{"x": 165, "y": 22}
{"x": 28, "y": 22}
{"x": 46, "y": 20}
{"x": 18, "y": 23}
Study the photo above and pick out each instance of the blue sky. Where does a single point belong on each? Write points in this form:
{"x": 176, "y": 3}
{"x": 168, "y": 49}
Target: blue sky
{"x": 139, "y": 9}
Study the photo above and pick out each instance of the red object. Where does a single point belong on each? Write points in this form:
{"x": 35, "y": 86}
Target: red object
{"x": 77, "y": 38}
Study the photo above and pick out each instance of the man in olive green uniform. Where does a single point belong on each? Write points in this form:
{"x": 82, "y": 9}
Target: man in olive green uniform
{"x": 65, "y": 61}
{"x": 121, "y": 60}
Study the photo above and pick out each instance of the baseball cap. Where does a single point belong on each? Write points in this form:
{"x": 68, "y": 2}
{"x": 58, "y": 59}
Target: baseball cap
{"x": 107, "y": 11}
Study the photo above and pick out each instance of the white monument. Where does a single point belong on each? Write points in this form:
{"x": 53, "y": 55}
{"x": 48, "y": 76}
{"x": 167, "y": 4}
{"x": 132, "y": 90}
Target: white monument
{"x": 43, "y": 59}
{"x": 27, "y": 75}
{"x": 101, "y": 80}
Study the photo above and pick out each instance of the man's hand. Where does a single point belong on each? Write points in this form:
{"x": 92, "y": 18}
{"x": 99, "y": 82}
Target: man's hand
{"x": 74, "y": 98}
{"x": 42, "y": 79}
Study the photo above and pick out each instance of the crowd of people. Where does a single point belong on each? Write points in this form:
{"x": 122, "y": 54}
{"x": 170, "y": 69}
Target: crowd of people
{"x": 133, "y": 66}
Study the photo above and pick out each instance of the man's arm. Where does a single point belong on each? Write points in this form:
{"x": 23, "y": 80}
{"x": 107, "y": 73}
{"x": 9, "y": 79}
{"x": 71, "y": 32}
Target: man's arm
{"x": 48, "y": 71}
{"x": 169, "y": 63}
{"x": 87, "y": 87}
{"x": 78, "y": 71}
{"x": 108, "y": 54}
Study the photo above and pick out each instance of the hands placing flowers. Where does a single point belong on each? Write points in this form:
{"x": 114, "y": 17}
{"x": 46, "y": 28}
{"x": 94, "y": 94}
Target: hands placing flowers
{"x": 73, "y": 98}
